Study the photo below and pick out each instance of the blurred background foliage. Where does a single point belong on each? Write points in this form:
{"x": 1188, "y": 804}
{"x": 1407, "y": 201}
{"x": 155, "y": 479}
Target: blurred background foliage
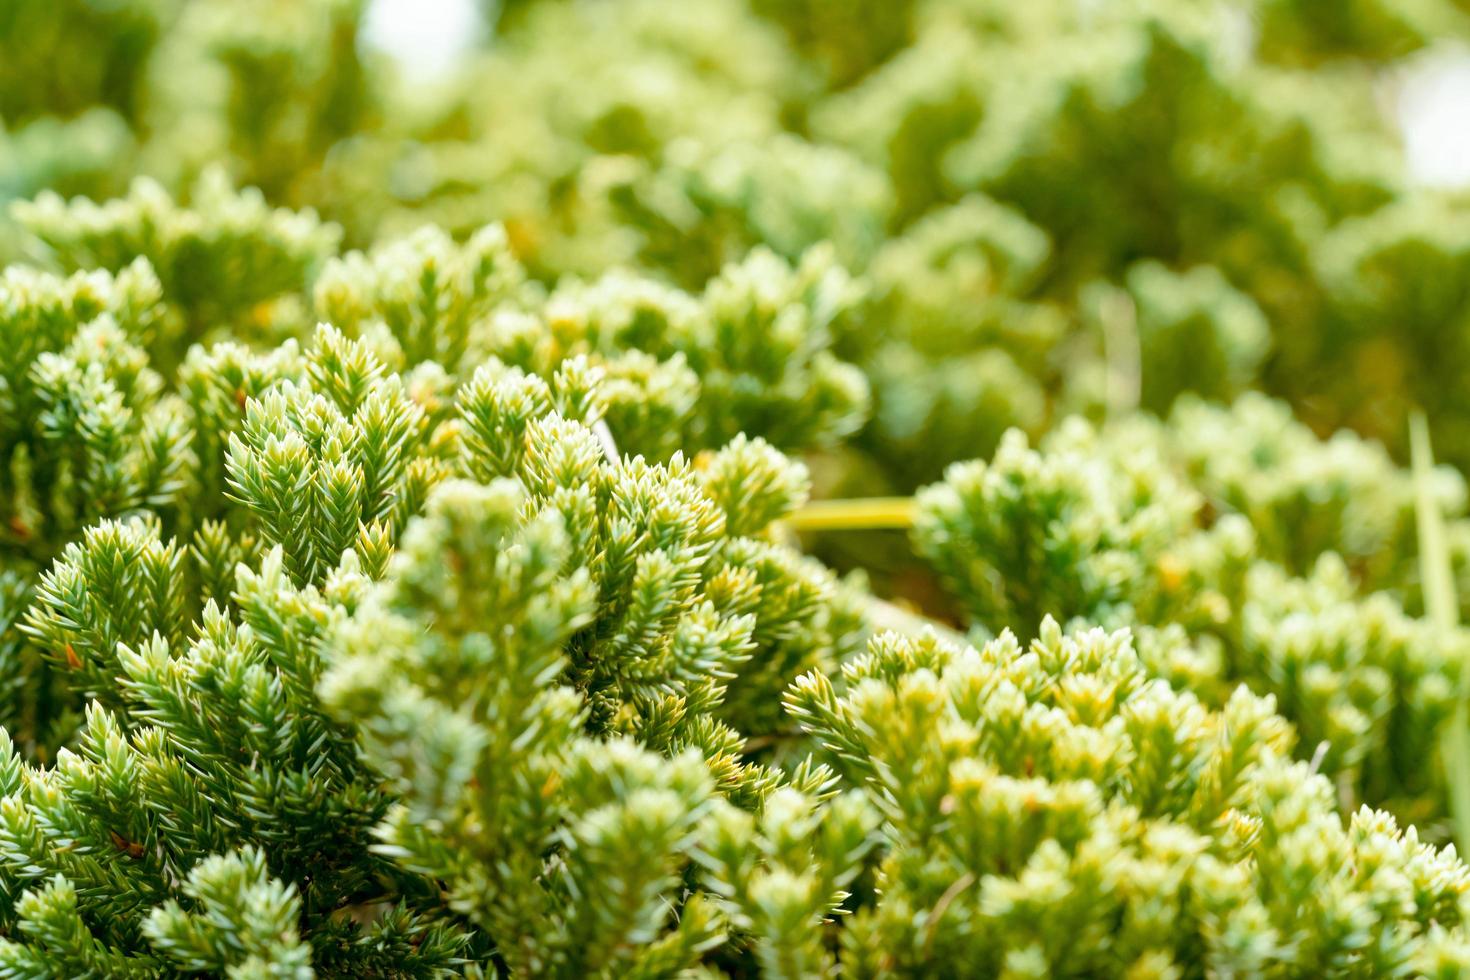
{"x": 1052, "y": 208}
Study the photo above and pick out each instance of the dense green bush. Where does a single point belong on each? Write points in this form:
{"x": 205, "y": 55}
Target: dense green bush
{"x": 422, "y": 544}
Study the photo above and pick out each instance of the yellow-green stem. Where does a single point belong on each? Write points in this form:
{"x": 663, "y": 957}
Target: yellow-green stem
{"x": 864, "y": 514}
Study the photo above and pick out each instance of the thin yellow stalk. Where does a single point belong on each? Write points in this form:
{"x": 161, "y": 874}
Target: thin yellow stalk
{"x": 864, "y": 514}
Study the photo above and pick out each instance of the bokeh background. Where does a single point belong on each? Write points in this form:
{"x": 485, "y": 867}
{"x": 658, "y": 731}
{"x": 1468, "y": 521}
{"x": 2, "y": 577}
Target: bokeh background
{"x": 1037, "y": 211}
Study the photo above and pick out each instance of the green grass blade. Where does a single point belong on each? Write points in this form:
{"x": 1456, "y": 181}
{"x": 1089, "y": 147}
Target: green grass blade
{"x": 1443, "y": 609}
{"x": 1435, "y": 573}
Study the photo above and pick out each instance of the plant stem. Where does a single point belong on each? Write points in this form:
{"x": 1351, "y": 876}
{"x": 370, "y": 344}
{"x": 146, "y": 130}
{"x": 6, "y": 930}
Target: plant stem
{"x": 863, "y": 514}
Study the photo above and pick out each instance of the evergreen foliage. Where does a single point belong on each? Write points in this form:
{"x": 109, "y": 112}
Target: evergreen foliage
{"x": 417, "y": 500}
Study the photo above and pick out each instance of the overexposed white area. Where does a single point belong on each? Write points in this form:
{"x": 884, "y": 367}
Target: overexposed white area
{"x": 430, "y": 39}
{"x": 1434, "y": 113}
